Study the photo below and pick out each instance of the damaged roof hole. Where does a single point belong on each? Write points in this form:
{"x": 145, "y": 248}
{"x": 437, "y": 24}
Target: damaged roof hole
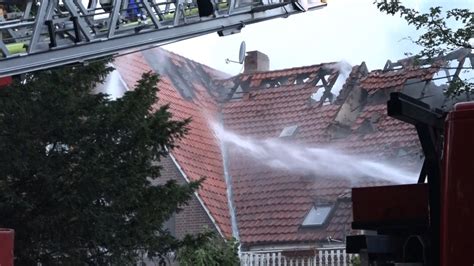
{"x": 288, "y": 131}
{"x": 326, "y": 99}
{"x": 445, "y": 73}
{"x": 318, "y": 94}
{"x": 317, "y": 216}
{"x": 271, "y": 83}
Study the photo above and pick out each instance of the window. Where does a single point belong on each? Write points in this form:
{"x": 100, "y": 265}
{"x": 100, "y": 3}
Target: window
{"x": 288, "y": 131}
{"x": 317, "y": 216}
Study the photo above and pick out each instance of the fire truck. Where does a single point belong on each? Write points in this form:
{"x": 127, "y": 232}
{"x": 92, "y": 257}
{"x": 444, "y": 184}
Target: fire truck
{"x": 430, "y": 222}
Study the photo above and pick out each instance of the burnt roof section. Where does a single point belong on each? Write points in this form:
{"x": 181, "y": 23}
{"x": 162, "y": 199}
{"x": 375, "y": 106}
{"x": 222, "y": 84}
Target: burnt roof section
{"x": 182, "y": 72}
{"x": 236, "y": 87}
{"x": 396, "y": 75}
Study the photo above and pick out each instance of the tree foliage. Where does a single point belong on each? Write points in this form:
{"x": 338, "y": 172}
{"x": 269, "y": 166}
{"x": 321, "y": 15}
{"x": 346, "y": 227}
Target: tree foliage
{"x": 207, "y": 249}
{"x": 441, "y": 32}
{"x": 78, "y": 170}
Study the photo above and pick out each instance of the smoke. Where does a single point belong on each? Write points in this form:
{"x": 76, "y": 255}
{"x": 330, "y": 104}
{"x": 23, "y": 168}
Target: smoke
{"x": 344, "y": 69}
{"x": 320, "y": 162}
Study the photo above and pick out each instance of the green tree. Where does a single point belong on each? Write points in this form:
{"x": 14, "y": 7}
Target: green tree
{"x": 207, "y": 249}
{"x": 441, "y": 32}
{"x": 77, "y": 169}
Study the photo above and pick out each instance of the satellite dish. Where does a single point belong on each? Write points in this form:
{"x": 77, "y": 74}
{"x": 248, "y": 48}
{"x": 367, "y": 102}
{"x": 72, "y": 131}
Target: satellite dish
{"x": 242, "y": 52}
{"x": 301, "y": 5}
{"x": 305, "y": 5}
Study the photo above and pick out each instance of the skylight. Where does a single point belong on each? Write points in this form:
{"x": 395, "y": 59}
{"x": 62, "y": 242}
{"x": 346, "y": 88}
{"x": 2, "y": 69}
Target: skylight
{"x": 288, "y": 131}
{"x": 317, "y": 216}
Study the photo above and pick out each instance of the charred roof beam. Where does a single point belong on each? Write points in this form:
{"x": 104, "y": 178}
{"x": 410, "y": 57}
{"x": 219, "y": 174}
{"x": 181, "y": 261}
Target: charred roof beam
{"x": 459, "y": 54}
{"x": 327, "y": 95}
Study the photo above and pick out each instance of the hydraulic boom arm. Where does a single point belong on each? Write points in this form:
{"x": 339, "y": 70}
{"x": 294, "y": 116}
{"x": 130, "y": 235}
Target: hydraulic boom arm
{"x": 39, "y": 34}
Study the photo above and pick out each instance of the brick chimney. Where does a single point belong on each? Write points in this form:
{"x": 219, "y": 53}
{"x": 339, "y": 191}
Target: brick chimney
{"x": 256, "y": 61}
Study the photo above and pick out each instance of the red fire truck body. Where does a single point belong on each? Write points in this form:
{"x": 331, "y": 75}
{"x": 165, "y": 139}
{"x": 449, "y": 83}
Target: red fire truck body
{"x": 431, "y": 222}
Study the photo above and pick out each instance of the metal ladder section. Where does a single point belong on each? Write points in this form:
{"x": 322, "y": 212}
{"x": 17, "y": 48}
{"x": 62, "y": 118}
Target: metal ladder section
{"x": 39, "y": 34}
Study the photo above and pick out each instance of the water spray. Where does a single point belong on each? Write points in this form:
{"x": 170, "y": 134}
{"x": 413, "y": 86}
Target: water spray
{"x": 318, "y": 161}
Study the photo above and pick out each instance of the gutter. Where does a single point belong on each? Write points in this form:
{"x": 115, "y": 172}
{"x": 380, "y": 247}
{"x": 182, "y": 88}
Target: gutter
{"x": 183, "y": 174}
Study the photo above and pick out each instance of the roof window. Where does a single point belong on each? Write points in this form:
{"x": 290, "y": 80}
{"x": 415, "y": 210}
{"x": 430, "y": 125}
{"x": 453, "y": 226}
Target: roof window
{"x": 288, "y": 131}
{"x": 317, "y": 216}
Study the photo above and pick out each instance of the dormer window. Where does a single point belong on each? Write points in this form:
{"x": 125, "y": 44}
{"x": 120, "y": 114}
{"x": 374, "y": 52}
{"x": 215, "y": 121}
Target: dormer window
{"x": 317, "y": 216}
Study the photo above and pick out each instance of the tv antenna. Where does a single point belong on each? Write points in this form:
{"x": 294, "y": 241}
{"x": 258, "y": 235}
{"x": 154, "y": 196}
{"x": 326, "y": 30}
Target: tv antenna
{"x": 241, "y": 55}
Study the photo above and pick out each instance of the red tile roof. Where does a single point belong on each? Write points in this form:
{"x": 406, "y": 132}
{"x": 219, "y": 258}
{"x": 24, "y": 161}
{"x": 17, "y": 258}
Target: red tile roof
{"x": 271, "y": 204}
{"x": 198, "y": 153}
{"x": 388, "y": 133}
{"x": 380, "y": 79}
{"x": 267, "y": 112}
{"x": 310, "y": 72}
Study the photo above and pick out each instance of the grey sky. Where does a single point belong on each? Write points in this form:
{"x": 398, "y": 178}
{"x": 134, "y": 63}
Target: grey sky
{"x": 350, "y": 30}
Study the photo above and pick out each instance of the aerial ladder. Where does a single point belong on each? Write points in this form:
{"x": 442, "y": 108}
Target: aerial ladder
{"x": 40, "y": 34}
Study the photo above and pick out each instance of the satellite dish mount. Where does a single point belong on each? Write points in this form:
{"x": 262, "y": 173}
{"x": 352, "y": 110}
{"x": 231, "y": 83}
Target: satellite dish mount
{"x": 242, "y": 52}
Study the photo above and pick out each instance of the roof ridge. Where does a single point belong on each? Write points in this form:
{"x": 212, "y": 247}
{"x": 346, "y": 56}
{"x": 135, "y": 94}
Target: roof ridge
{"x": 294, "y": 68}
{"x": 277, "y": 70}
{"x": 193, "y": 61}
